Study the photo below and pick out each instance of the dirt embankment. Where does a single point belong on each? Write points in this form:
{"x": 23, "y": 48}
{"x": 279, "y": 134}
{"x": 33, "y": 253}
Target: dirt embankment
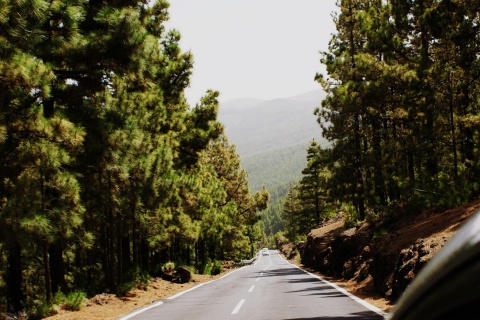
{"x": 378, "y": 261}
{"x": 110, "y": 307}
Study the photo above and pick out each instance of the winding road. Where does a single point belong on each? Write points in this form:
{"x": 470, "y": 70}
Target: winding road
{"x": 272, "y": 288}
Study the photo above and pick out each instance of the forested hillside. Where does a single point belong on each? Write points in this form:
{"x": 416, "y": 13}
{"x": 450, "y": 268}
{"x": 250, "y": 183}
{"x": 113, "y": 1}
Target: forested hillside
{"x": 107, "y": 175}
{"x": 275, "y": 168}
{"x": 271, "y": 137}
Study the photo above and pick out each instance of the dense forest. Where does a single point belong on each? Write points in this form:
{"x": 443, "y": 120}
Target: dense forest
{"x": 402, "y": 114}
{"x": 107, "y": 174}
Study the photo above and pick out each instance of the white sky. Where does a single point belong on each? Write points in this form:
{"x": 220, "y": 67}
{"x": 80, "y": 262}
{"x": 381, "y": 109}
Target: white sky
{"x": 264, "y": 49}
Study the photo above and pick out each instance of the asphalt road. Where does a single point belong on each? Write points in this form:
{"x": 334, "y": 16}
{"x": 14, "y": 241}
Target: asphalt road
{"x": 272, "y": 288}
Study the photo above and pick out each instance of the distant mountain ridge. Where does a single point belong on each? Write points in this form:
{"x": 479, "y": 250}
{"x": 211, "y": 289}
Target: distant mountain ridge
{"x": 272, "y": 136}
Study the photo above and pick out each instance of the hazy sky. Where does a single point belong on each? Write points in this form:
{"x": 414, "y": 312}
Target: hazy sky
{"x": 263, "y": 49}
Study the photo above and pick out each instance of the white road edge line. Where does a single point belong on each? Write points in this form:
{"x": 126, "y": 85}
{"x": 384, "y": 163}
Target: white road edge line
{"x": 237, "y": 308}
{"x": 345, "y": 292}
{"x": 158, "y": 303}
{"x": 251, "y": 288}
{"x": 188, "y": 290}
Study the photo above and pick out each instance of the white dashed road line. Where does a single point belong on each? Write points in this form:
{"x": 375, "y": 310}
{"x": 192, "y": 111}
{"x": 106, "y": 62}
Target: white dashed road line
{"x": 239, "y": 305}
{"x": 251, "y": 288}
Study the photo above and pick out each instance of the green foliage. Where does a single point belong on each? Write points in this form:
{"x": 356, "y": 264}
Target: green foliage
{"x": 275, "y": 169}
{"x": 300, "y": 239}
{"x": 212, "y": 267}
{"x": 43, "y": 309}
{"x": 270, "y": 220}
{"x": 269, "y": 241}
{"x": 168, "y": 267}
{"x": 72, "y": 301}
{"x": 400, "y": 87}
{"x": 217, "y": 267}
{"x": 350, "y": 216}
{"x": 312, "y": 191}
{"x": 291, "y": 210}
{"x": 108, "y": 173}
{"x": 192, "y": 269}
{"x": 134, "y": 280}
{"x": 231, "y": 213}
{"x": 280, "y": 238}
{"x": 75, "y": 301}
{"x": 205, "y": 268}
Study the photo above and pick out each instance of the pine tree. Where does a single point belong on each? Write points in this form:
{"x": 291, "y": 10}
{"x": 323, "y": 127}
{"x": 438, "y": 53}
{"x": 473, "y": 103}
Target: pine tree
{"x": 397, "y": 74}
{"x": 313, "y": 188}
{"x": 41, "y": 195}
{"x": 290, "y": 213}
{"x": 239, "y": 206}
{"x": 344, "y": 108}
{"x": 112, "y": 70}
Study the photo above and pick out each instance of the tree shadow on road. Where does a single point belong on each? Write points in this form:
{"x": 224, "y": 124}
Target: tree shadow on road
{"x": 364, "y": 315}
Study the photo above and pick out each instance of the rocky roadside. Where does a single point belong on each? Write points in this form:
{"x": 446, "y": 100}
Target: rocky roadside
{"x": 377, "y": 261}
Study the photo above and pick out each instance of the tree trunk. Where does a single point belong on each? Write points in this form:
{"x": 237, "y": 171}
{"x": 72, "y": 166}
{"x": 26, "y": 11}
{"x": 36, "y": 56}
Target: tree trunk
{"x": 201, "y": 252}
{"x": 135, "y": 244}
{"x": 454, "y": 138}
{"x": 119, "y": 239}
{"x": 57, "y": 269}
{"x": 317, "y": 207}
{"x": 46, "y": 266}
{"x": 379, "y": 180}
{"x": 14, "y": 279}
{"x": 111, "y": 256}
{"x": 126, "y": 253}
{"x": 145, "y": 252}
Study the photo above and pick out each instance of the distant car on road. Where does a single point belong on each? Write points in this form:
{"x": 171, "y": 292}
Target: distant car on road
{"x": 265, "y": 252}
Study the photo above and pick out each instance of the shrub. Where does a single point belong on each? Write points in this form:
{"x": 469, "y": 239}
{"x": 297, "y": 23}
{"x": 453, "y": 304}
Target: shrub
{"x": 135, "y": 279}
{"x": 168, "y": 267}
{"x": 211, "y": 267}
{"x": 349, "y": 216}
{"x": 205, "y": 268}
{"x": 43, "y": 310}
{"x": 300, "y": 238}
{"x": 74, "y": 300}
{"x": 217, "y": 268}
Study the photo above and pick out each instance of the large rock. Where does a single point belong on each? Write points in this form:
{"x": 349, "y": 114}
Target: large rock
{"x": 409, "y": 263}
{"x": 184, "y": 274}
{"x": 180, "y": 275}
{"x": 337, "y": 254}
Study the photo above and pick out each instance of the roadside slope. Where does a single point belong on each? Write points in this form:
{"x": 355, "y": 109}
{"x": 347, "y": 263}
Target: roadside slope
{"x": 110, "y": 307}
{"x": 377, "y": 261}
